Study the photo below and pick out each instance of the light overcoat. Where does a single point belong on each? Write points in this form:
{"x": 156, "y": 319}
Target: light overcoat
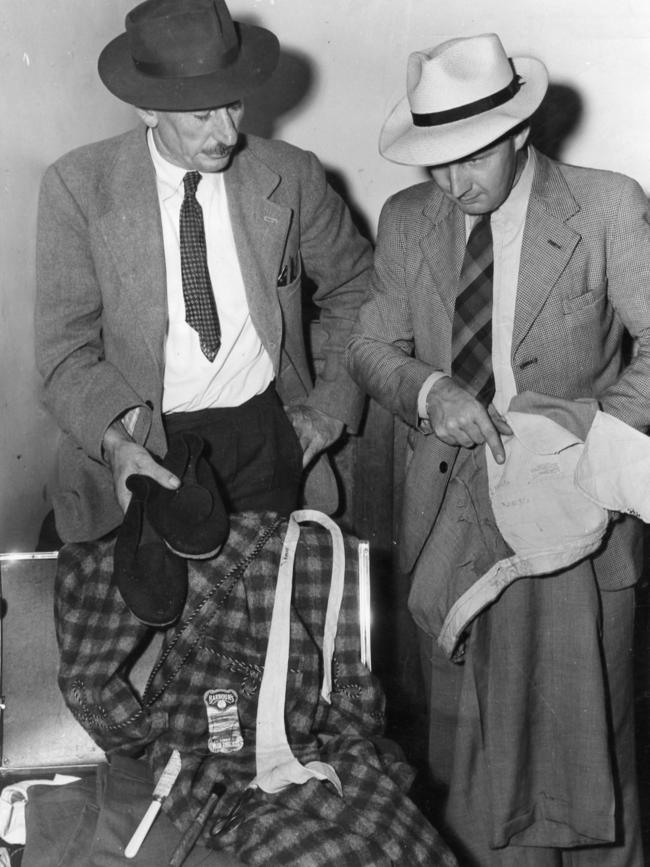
{"x": 101, "y": 310}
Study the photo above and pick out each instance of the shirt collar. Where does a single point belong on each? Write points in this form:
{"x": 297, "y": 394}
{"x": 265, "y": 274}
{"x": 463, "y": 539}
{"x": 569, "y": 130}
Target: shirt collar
{"x": 168, "y": 176}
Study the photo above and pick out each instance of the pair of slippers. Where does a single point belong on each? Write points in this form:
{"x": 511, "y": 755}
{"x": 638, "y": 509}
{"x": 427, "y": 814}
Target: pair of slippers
{"x": 164, "y": 528}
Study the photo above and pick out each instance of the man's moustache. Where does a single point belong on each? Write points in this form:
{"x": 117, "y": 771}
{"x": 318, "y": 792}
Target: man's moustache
{"x": 221, "y": 152}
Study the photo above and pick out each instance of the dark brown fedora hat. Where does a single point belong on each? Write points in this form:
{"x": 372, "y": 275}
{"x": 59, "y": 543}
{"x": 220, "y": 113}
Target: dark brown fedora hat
{"x": 186, "y": 55}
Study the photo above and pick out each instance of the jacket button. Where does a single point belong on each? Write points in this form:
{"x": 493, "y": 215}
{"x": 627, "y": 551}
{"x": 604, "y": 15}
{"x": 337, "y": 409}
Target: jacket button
{"x": 443, "y": 466}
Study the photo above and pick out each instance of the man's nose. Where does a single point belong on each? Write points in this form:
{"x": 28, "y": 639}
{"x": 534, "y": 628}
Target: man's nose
{"x": 459, "y": 180}
{"x": 224, "y": 128}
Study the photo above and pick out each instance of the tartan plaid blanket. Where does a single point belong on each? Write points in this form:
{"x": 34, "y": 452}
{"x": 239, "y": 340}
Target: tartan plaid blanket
{"x": 220, "y": 643}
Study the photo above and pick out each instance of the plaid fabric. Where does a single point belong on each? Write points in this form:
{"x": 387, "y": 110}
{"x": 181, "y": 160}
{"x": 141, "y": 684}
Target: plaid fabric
{"x": 221, "y": 643}
{"x": 472, "y": 329}
{"x": 200, "y": 307}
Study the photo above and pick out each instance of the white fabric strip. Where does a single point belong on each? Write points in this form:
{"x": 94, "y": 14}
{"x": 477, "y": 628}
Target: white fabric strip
{"x": 277, "y": 767}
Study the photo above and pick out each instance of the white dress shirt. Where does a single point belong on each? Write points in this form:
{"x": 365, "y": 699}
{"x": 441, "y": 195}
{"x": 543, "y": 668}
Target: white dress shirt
{"x": 242, "y": 367}
{"x": 507, "y": 224}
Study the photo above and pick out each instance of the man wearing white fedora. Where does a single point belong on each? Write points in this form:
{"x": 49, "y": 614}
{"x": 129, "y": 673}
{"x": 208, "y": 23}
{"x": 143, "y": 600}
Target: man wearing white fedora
{"x": 510, "y": 276}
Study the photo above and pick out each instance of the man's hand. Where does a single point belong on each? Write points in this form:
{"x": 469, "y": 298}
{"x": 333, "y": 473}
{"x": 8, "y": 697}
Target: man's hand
{"x": 126, "y": 458}
{"x": 315, "y": 429}
{"x": 458, "y": 419}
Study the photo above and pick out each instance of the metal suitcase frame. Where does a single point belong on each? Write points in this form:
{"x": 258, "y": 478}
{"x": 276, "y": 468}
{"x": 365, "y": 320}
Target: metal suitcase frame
{"x": 38, "y": 732}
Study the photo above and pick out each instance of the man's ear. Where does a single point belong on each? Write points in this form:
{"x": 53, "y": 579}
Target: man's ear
{"x": 521, "y": 137}
{"x": 148, "y": 116}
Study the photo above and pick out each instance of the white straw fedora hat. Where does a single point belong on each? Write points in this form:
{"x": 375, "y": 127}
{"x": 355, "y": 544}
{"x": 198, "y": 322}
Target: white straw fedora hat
{"x": 461, "y": 96}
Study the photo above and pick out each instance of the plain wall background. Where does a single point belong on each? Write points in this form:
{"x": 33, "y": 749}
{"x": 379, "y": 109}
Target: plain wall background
{"x": 342, "y": 70}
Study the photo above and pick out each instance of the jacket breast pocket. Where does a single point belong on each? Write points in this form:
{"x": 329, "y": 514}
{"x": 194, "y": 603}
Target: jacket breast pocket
{"x": 290, "y": 298}
{"x": 287, "y": 290}
{"x": 291, "y": 271}
{"x": 585, "y": 302}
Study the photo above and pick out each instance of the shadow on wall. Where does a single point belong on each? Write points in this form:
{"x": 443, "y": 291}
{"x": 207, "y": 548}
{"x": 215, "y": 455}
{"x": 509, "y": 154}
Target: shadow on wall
{"x": 289, "y": 86}
{"x": 556, "y": 120}
{"x": 338, "y": 183}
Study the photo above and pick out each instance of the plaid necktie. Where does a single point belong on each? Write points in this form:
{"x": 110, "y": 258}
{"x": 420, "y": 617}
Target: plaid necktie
{"x": 471, "y": 347}
{"x": 200, "y": 308}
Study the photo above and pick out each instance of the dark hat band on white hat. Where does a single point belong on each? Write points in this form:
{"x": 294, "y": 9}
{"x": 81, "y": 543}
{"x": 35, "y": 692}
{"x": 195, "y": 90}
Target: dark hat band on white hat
{"x": 470, "y": 109}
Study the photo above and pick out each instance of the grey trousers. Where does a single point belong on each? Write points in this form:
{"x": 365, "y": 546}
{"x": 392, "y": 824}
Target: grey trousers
{"x": 476, "y": 761}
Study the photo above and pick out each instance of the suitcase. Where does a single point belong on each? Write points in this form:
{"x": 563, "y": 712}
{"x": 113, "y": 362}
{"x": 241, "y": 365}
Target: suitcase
{"x": 38, "y": 732}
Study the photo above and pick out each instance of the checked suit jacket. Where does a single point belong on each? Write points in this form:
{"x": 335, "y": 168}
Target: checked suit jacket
{"x": 101, "y": 309}
{"x": 584, "y": 283}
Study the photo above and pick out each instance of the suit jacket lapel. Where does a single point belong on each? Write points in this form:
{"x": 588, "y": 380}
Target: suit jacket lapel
{"x": 547, "y": 245}
{"x": 443, "y": 248}
{"x": 132, "y": 231}
{"x": 260, "y": 227}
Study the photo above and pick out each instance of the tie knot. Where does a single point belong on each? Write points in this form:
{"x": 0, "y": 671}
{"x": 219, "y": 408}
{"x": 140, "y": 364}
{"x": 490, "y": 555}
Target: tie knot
{"x": 191, "y": 181}
{"x": 481, "y": 231}
{"x": 482, "y": 222}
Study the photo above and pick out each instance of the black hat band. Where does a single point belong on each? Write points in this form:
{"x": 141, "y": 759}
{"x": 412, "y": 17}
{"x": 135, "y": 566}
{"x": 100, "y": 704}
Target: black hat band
{"x": 190, "y": 68}
{"x": 470, "y": 109}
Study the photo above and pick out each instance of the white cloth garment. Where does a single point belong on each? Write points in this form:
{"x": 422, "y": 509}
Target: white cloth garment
{"x": 614, "y": 468}
{"x": 547, "y": 520}
{"x": 277, "y": 767}
{"x": 551, "y": 499}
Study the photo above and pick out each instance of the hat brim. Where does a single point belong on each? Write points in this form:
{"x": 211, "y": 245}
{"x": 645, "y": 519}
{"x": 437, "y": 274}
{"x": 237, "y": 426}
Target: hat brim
{"x": 400, "y": 141}
{"x": 258, "y": 56}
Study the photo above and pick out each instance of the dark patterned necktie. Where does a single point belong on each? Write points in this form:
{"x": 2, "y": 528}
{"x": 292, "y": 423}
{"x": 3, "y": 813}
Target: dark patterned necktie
{"x": 200, "y": 308}
{"x": 471, "y": 348}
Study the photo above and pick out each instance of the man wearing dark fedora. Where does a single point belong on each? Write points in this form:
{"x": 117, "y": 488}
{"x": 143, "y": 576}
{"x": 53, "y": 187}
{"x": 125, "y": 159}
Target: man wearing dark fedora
{"x": 510, "y": 277}
{"x": 170, "y": 262}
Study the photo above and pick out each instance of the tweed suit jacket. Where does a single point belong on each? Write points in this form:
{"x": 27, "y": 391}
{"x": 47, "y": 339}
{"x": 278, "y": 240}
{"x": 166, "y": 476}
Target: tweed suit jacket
{"x": 101, "y": 309}
{"x": 584, "y": 281}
